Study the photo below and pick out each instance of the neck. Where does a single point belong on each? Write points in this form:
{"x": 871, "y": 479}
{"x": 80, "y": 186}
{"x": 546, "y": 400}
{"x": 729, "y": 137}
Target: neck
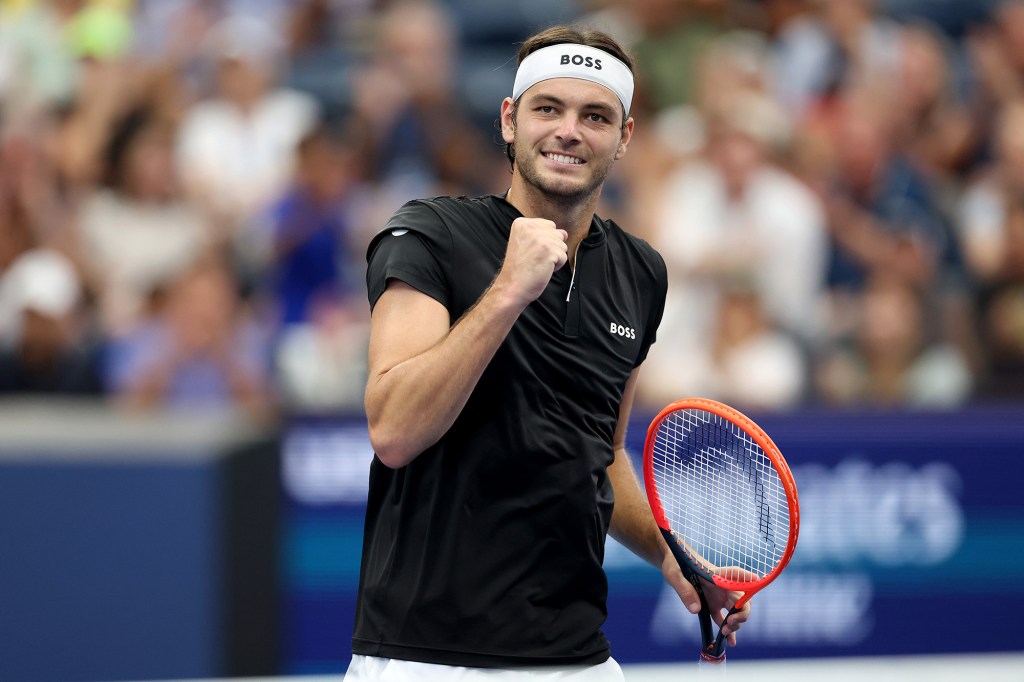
{"x": 574, "y": 215}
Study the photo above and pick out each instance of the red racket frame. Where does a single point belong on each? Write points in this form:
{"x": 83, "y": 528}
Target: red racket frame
{"x": 757, "y": 434}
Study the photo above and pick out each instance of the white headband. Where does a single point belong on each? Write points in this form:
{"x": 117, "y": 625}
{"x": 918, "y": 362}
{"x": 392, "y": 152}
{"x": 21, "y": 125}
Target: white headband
{"x": 571, "y": 60}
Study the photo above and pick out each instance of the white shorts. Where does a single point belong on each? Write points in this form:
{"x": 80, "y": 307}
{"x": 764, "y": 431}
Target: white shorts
{"x": 374, "y": 669}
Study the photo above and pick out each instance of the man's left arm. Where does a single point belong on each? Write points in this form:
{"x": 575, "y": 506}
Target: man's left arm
{"x": 634, "y": 527}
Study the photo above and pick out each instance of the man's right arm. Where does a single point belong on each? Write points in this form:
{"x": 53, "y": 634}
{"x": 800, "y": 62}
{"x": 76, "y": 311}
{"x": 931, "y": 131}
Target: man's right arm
{"x": 421, "y": 372}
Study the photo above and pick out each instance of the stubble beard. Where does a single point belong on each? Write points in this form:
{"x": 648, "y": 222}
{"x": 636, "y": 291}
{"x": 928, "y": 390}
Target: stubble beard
{"x": 557, "y": 189}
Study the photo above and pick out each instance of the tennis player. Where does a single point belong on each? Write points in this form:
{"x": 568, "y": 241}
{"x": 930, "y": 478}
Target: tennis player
{"x": 506, "y": 336}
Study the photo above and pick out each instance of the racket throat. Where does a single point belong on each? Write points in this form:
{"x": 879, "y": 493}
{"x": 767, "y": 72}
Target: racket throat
{"x": 712, "y": 647}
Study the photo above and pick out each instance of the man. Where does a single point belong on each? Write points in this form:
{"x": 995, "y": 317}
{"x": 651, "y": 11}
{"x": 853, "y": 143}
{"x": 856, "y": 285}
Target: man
{"x": 505, "y": 339}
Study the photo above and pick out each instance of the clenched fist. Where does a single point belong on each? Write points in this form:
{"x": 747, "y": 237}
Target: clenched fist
{"x": 536, "y": 248}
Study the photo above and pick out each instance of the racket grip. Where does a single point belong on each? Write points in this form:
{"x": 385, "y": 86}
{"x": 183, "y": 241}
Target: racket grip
{"x": 710, "y": 666}
{"x": 708, "y": 659}
{"x": 718, "y": 651}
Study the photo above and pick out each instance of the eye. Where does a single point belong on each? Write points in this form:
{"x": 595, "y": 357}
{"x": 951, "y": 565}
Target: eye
{"x": 596, "y": 118}
{"x": 546, "y": 109}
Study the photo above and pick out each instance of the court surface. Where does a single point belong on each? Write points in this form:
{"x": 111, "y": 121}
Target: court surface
{"x": 972, "y": 668}
{"x": 1002, "y": 667}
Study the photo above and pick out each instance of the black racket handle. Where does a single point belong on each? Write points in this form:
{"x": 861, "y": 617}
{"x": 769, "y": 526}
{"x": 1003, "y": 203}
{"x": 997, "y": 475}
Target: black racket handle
{"x": 711, "y": 646}
{"x": 719, "y": 647}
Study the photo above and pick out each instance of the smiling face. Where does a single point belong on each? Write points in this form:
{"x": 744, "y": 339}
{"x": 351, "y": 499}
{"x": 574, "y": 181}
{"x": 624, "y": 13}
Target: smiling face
{"x": 566, "y": 133}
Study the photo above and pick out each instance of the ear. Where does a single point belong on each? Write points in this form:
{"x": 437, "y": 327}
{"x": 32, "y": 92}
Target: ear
{"x": 508, "y": 124}
{"x": 627, "y": 134}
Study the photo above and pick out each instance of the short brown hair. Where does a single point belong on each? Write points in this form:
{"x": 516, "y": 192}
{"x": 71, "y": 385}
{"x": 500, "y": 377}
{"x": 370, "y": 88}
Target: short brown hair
{"x": 560, "y": 35}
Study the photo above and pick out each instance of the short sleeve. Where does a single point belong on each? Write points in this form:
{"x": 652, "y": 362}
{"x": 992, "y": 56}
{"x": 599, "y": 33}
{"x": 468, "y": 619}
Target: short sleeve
{"x": 415, "y": 248}
{"x": 657, "y": 306}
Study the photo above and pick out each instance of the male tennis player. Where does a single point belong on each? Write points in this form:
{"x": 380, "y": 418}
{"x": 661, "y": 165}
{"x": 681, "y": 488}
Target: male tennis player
{"x": 506, "y": 336}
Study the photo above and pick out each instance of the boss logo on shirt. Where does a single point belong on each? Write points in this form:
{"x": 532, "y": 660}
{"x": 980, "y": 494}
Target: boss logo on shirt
{"x": 625, "y": 332}
{"x": 580, "y": 60}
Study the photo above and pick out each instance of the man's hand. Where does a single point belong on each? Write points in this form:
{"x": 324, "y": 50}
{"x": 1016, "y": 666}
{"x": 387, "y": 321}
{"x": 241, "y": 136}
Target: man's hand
{"x": 719, "y": 600}
{"x": 536, "y": 249}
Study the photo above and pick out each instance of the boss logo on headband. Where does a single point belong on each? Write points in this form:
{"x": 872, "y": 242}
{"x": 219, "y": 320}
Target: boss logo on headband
{"x": 580, "y": 60}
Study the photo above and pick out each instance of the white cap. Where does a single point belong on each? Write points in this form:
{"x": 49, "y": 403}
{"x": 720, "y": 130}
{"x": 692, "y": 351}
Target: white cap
{"x": 245, "y": 38}
{"x": 41, "y": 280}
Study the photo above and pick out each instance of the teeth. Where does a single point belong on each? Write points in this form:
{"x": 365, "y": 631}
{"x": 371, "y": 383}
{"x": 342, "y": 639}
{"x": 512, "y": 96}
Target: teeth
{"x": 562, "y": 158}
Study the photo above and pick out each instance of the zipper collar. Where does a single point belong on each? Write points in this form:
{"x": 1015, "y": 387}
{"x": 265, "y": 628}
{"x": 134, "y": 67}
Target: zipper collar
{"x": 594, "y": 237}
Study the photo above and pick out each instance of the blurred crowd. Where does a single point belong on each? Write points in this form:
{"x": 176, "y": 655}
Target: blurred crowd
{"x": 187, "y": 188}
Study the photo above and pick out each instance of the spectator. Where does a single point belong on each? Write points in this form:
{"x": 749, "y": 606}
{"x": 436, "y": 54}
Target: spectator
{"x": 800, "y": 52}
{"x": 199, "y": 350}
{"x": 991, "y": 215}
{"x": 883, "y": 212}
{"x": 314, "y": 254}
{"x": 997, "y": 55}
{"x": 137, "y": 231}
{"x": 318, "y": 280}
{"x": 865, "y": 46}
{"x": 746, "y": 361}
{"x": 19, "y": 158}
{"x": 62, "y": 84}
{"x": 673, "y": 37}
{"x": 893, "y": 358}
{"x": 991, "y": 228}
{"x": 738, "y": 211}
{"x": 737, "y": 214}
{"x": 321, "y": 366}
{"x": 1002, "y": 322}
{"x": 885, "y": 217}
{"x": 418, "y": 143}
{"x": 38, "y": 206}
{"x": 934, "y": 126}
{"x": 731, "y": 69}
{"x": 234, "y": 150}
{"x": 896, "y": 124}
{"x": 47, "y": 347}
{"x": 38, "y": 68}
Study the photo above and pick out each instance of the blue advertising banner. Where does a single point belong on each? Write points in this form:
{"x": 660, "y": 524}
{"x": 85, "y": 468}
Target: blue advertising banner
{"x": 912, "y": 542}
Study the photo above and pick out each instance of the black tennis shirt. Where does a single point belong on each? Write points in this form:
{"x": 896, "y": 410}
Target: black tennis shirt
{"x": 486, "y": 550}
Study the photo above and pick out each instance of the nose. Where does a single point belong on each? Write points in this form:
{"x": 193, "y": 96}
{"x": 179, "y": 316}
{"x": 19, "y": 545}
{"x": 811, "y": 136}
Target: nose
{"x": 568, "y": 131}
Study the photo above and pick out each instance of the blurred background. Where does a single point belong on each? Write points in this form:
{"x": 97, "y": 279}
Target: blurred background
{"x": 187, "y": 188}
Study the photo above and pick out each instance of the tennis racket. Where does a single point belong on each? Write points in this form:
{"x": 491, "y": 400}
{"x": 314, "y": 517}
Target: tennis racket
{"x": 724, "y": 499}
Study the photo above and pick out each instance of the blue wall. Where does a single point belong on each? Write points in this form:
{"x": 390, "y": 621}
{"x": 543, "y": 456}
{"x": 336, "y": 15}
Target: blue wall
{"x": 142, "y": 560}
{"x": 135, "y": 549}
{"x": 912, "y": 540}
{"x": 108, "y": 571}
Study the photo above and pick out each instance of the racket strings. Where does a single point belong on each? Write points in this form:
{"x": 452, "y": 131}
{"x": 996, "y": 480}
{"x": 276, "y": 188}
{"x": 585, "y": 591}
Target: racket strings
{"x": 720, "y": 493}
